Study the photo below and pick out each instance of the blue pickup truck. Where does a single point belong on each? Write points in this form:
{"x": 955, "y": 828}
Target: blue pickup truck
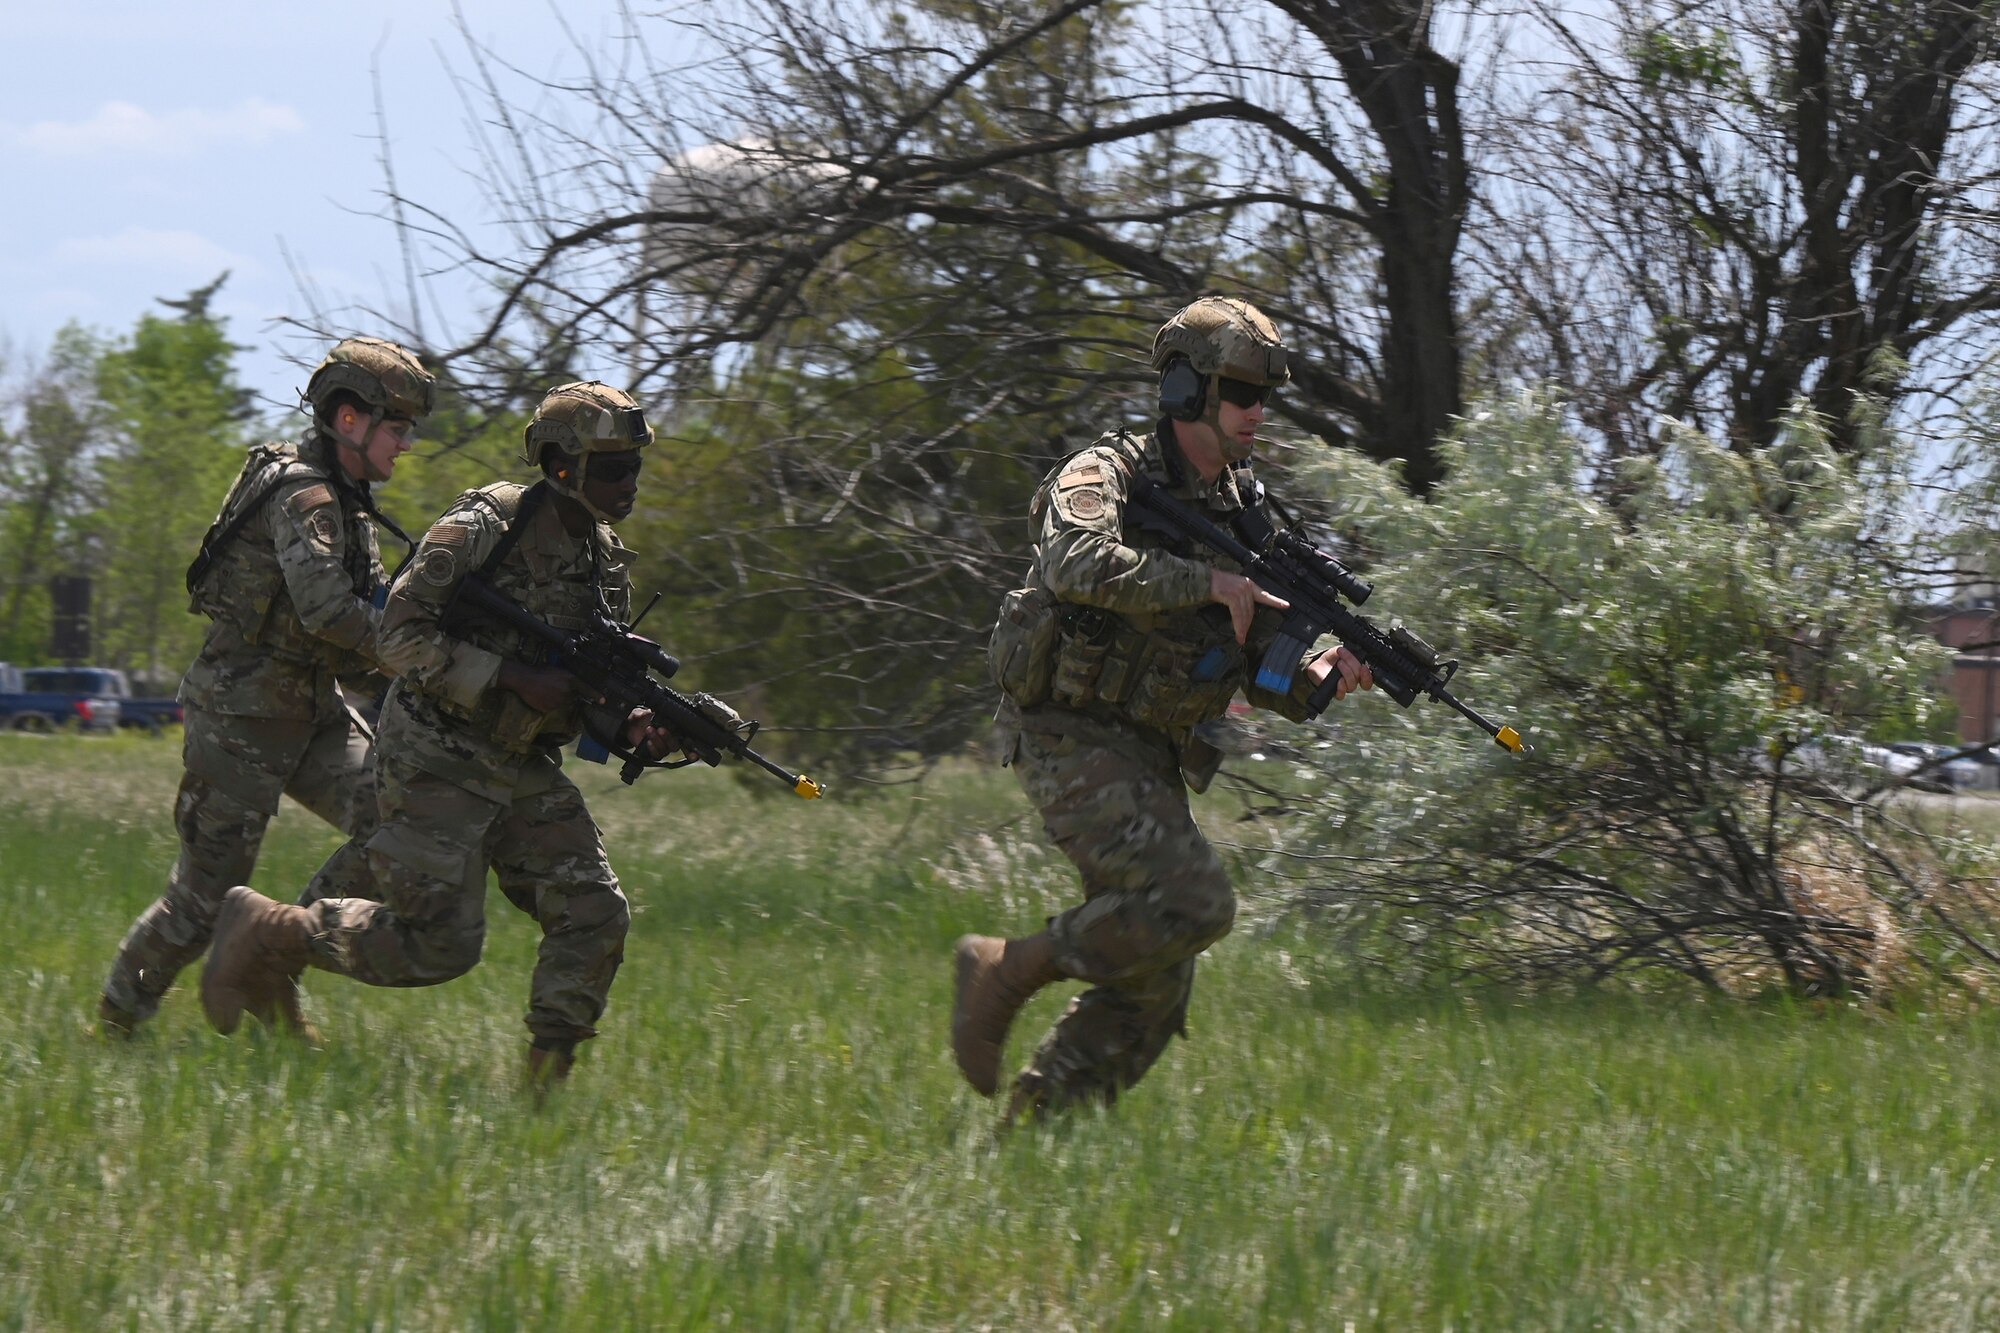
{"x": 100, "y": 683}
{"x": 30, "y": 701}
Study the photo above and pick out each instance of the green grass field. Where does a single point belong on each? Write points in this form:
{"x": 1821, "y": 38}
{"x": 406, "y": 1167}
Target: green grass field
{"x": 771, "y": 1135}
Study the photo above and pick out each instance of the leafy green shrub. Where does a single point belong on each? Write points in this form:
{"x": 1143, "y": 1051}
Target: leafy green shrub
{"x": 1684, "y": 658}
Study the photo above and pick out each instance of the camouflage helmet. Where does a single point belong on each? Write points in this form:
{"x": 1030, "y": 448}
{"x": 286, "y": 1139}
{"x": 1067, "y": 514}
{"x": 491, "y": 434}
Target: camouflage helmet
{"x": 1223, "y": 336}
{"x": 586, "y": 418}
{"x": 388, "y": 378}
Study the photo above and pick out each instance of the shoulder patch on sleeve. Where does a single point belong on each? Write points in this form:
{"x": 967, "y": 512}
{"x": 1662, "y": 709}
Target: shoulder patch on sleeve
{"x": 307, "y": 498}
{"x": 1084, "y": 505}
{"x": 438, "y": 566}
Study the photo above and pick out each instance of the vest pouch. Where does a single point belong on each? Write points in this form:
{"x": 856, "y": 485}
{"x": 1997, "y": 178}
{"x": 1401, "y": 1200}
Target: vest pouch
{"x": 517, "y": 724}
{"x": 1180, "y": 684}
{"x": 1022, "y": 654}
{"x": 1084, "y": 641}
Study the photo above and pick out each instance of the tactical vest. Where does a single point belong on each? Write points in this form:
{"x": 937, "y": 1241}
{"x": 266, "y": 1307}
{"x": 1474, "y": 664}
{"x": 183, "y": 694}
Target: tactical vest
{"x": 564, "y": 588}
{"x": 1164, "y": 669}
{"x": 236, "y": 580}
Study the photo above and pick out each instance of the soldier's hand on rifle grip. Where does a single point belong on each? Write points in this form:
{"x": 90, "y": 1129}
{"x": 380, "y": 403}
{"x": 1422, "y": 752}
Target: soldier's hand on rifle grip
{"x": 1242, "y": 596}
{"x": 1354, "y": 674}
{"x": 542, "y": 688}
{"x": 642, "y": 737}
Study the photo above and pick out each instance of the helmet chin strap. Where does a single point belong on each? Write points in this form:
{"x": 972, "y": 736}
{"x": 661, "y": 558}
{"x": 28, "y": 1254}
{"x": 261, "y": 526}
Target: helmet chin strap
{"x": 376, "y": 417}
{"x": 1232, "y": 449}
{"x": 559, "y": 483}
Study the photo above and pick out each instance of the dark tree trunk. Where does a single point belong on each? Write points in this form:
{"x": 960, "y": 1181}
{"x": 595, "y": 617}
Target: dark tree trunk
{"x": 1409, "y": 94}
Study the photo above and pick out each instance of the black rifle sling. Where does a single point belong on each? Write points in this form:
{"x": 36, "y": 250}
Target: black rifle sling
{"x": 531, "y": 500}
{"x": 367, "y": 499}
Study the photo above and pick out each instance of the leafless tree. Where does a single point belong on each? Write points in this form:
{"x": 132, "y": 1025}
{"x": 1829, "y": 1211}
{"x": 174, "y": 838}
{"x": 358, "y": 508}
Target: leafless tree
{"x": 881, "y": 268}
{"x": 1307, "y": 153}
{"x": 876, "y": 268}
{"x": 1715, "y": 208}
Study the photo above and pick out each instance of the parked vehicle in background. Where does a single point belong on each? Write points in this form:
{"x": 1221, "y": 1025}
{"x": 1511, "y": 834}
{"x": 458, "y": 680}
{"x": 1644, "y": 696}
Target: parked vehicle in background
{"x": 150, "y": 714}
{"x": 1951, "y": 775}
{"x": 1987, "y": 762}
{"x": 1837, "y": 756}
{"x": 31, "y": 702}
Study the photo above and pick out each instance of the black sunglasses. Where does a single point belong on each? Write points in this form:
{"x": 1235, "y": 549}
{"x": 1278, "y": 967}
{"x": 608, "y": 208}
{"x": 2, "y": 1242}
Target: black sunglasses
{"x": 1241, "y": 393}
{"x": 614, "y": 468}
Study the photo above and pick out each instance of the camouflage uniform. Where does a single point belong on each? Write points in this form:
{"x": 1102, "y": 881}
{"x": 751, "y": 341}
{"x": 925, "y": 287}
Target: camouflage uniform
{"x": 1141, "y": 656}
{"x": 470, "y": 776}
{"x": 290, "y": 601}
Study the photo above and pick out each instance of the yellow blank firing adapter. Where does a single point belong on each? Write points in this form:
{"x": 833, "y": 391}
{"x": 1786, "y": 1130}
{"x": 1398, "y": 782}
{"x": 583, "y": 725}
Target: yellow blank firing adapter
{"x": 812, "y": 791}
{"x": 1509, "y": 739}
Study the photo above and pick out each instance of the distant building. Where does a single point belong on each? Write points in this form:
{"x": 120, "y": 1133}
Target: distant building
{"x": 1974, "y": 628}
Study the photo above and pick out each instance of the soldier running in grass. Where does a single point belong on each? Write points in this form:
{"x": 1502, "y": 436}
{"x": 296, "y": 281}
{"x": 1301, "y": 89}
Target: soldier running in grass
{"x": 287, "y": 576}
{"x": 1116, "y": 650}
{"x": 468, "y": 757}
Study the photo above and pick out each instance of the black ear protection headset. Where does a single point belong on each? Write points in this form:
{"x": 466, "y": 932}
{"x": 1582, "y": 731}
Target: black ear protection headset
{"x": 1183, "y": 390}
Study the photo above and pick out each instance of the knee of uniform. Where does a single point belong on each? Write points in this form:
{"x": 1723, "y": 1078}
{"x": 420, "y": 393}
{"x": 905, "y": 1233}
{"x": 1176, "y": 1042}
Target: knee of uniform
{"x": 616, "y": 921}
{"x": 450, "y": 949}
{"x": 435, "y": 932}
{"x": 602, "y": 914}
{"x": 1210, "y": 905}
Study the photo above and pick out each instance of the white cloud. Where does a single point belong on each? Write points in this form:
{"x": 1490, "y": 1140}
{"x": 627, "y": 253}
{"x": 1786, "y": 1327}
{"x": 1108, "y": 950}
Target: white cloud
{"x": 123, "y": 127}
{"x": 178, "y": 251}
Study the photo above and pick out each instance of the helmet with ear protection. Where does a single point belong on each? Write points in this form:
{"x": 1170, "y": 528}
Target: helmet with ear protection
{"x": 580, "y": 420}
{"x": 1217, "y": 336}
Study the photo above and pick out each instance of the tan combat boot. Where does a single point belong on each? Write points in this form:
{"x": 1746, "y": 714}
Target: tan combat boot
{"x": 115, "y": 1023}
{"x": 260, "y": 948}
{"x": 548, "y": 1067}
{"x": 995, "y": 978}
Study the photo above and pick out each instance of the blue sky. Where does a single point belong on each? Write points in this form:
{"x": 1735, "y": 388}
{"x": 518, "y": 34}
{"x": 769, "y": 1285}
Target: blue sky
{"x": 153, "y": 144}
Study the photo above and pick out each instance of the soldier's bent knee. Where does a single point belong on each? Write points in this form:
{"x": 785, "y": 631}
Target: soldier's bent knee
{"x": 604, "y": 913}
{"x": 1211, "y": 906}
{"x": 449, "y": 948}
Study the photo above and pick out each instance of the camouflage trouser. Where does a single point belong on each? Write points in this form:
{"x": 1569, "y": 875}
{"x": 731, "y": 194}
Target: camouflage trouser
{"x": 430, "y": 858}
{"x": 237, "y": 769}
{"x": 1156, "y": 896}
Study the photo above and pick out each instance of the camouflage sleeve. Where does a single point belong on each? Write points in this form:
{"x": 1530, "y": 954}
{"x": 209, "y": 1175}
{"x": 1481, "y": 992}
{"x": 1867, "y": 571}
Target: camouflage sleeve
{"x": 1082, "y": 557}
{"x": 1293, "y": 704}
{"x": 310, "y": 537}
{"x": 415, "y": 645}
{"x": 360, "y": 666}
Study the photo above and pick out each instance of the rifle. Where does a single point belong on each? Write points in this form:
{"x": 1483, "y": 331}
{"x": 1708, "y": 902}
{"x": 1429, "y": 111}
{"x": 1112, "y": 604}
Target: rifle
{"x": 1283, "y": 562}
{"x": 616, "y": 665}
